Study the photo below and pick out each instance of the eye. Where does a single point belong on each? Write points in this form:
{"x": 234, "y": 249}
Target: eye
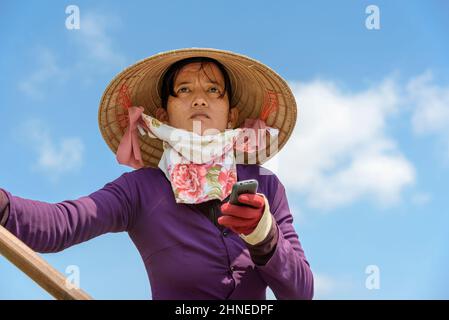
{"x": 183, "y": 89}
{"x": 214, "y": 90}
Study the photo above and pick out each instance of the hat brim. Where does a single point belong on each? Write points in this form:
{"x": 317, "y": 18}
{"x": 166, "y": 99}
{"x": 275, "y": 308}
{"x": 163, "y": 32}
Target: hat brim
{"x": 251, "y": 81}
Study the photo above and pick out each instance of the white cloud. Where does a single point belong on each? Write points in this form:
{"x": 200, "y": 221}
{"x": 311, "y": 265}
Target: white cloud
{"x": 328, "y": 286}
{"x": 340, "y": 150}
{"x": 95, "y": 41}
{"x": 324, "y": 286}
{"x": 47, "y": 72}
{"x": 96, "y": 52}
{"x": 53, "y": 159}
{"x": 431, "y": 111}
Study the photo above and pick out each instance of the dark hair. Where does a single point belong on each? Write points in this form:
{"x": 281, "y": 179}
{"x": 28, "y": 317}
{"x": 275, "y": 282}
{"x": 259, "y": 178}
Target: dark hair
{"x": 168, "y": 79}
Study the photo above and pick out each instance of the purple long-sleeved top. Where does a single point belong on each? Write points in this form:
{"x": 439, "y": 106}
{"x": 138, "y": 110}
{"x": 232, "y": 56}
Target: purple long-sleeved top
{"x": 186, "y": 256}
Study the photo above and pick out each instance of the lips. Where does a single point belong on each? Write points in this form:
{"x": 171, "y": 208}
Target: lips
{"x": 199, "y": 114}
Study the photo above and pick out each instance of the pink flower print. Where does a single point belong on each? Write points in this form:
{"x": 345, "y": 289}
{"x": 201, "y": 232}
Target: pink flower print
{"x": 188, "y": 179}
{"x": 227, "y": 178}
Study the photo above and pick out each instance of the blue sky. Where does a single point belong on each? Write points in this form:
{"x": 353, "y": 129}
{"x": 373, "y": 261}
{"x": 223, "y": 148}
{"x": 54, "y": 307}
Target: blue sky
{"x": 366, "y": 169}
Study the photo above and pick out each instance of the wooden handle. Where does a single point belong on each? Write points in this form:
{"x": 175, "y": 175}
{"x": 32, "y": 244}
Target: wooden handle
{"x": 37, "y": 268}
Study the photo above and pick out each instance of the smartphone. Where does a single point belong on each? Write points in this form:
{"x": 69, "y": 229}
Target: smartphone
{"x": 240, "y": 187}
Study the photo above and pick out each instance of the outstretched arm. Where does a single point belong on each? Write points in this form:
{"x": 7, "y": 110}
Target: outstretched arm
{"x": 52, "y": 227}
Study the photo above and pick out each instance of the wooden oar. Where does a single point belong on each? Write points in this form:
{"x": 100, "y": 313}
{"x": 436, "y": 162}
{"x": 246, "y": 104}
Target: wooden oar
{"x": 37, "y": 268}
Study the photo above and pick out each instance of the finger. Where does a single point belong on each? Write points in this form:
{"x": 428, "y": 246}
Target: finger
{"x": 246, "y": 231}
{"x": 233, "y": 230}
{"x": 229, "y": 221}
{"x": 243, "y": 213}
{"x": 240, "y": 211}
{"x": 254, "y": 200}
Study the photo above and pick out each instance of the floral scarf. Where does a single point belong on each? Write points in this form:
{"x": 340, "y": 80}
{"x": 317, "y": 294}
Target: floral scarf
{"x": 199, "y": 167}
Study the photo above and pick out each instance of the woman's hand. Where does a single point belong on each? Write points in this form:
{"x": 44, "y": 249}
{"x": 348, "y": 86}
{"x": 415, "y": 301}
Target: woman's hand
{"x": 243, "y": 219}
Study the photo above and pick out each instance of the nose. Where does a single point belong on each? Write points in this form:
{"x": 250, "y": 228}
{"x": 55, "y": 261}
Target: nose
{"x": 199, "y": 101}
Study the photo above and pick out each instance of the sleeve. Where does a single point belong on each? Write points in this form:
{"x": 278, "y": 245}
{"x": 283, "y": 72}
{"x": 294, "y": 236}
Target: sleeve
{"x": 4, "y": 208}
{"x": 262, "y": 251}
{"x": 53, "y": 227}
{"x": 287, "y": 272}
{"x": 262, "y": 241}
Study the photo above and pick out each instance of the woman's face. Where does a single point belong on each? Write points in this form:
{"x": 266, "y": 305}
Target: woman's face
{"x": 199, "y": 106}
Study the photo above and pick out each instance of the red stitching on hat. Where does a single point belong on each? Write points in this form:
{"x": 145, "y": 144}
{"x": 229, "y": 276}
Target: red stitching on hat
{"x": 124, "y": 98}
{"x": 270, "y": 104}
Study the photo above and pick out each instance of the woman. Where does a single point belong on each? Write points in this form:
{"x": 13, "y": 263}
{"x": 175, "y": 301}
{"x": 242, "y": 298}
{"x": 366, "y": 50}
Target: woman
{"x": 203, "y": 117}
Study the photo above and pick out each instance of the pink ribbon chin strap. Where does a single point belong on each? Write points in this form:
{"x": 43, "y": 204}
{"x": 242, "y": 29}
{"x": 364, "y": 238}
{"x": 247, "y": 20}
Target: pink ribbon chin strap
{"x": 128, "y": 152}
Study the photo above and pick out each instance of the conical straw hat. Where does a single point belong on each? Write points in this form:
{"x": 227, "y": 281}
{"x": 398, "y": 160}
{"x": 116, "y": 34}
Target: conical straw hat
{"x": 254, "y": 86}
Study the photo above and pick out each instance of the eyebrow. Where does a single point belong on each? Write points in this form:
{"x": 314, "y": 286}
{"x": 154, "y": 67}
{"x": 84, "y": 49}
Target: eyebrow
{"x": 189, "y": 82}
